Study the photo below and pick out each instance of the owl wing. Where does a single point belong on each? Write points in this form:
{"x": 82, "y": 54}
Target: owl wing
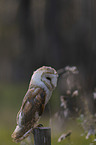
{"x": 32, "y": 108}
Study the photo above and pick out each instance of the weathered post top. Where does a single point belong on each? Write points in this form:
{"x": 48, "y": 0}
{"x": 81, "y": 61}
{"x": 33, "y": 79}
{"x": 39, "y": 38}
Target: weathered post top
{"x": 42, "y": 136}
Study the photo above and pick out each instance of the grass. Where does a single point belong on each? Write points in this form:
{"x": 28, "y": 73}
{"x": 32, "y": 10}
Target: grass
{"x": 11, "y": 96}
{"x": 75, "y": 139}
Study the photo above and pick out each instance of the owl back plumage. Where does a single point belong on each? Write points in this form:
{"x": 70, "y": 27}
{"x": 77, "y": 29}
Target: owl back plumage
{"x": 32, "y": 108}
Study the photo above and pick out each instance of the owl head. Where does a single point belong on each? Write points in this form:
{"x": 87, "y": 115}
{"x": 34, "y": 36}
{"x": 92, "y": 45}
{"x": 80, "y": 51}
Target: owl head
{"x": 44, "y": 77}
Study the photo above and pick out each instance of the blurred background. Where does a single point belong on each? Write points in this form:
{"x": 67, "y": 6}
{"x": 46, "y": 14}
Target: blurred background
{"x": 34, "y": 33}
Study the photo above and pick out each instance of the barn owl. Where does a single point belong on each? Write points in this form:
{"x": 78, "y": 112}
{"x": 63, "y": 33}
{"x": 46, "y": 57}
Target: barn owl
{"x": 42, "y": 84}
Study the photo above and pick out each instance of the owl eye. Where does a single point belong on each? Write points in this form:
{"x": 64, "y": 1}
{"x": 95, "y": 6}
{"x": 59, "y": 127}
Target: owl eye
{"x": 48, "y": 78}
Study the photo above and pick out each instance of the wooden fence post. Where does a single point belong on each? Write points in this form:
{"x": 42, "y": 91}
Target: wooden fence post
{"x": 42, "y": 136}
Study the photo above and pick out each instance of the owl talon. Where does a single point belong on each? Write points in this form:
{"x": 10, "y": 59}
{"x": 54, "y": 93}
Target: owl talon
{"x": 39, "y": 125}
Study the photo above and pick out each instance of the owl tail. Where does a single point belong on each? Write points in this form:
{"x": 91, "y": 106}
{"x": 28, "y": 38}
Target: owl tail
{"x": 19, "y": 134}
